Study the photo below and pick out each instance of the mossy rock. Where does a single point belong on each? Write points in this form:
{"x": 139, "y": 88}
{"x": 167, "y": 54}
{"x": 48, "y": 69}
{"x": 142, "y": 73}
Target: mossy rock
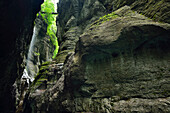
{"x": 61, "y": 57}
{"x": 105, "y": 18}
{"x": 158, "y": 10}
{"x": 42, "y": 75}
{"x": 46, "y": 63}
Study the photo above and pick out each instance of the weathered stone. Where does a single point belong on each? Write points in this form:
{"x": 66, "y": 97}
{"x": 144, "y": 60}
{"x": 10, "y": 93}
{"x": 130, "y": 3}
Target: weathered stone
{"x": 125, "y": 58}
{"x": 41, "y": 47}
{"x": 158, "y": 10}
{"x": 69, "y": 43}
{"x": 74, "y": 17}
{"x": 120, "y": 64}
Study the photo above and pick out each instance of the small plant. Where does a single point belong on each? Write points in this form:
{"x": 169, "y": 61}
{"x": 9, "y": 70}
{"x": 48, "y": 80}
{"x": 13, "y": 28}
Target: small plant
{"x": 37, "y": 54}
{"x": 108, "y": 16}
{"x": 105, "y": 18}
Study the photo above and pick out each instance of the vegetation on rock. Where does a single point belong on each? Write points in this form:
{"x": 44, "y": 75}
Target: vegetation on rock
{"x": 48, "y": 8}
{"x": 42, "y": 75}
{"x": 120, "y": 61}
{"x": 106, "y": 18}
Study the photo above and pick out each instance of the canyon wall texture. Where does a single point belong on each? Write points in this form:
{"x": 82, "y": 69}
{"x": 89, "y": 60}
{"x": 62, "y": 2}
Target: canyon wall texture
{"x": 116, "y": 57}
{"x": 41, "y": 47}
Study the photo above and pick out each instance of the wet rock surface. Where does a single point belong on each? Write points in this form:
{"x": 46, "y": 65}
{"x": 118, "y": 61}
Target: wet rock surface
{"x": 117, "y": 62}
{"x": 44, "y": 91}
{"x": 41, "y": 48}
{"x": 120, "y": 64}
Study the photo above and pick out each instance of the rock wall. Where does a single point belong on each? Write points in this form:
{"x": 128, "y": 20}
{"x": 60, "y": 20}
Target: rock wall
{"x": 41, "y": 48}
{"x": 116, "y": 62}
{"x": 157, "y": 10}
{"x": 75, "y": 16}
{"x": 121, "y": 65}
{"x": 16, "y": 23}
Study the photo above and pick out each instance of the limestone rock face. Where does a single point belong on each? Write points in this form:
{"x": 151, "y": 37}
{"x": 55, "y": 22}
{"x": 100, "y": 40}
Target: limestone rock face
{"x": 16, "y": 22}
{"x": 122, "y": 65}
{"x": 68, "y": 44}
{"x": 119, "y": 64}
{"x": 48, "y": 84}
{"x": 81, "y": 13}
{"x": 74, "y": 17}
{"x": 158, "y": 10}
{"x": 41, "y": 48}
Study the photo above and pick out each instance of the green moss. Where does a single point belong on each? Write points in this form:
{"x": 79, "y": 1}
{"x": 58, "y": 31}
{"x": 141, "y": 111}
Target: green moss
{"x": 39, "y": 79}
{"x": 62, "y": 56}
{"x": 48, "y": 7}
{"x": 105, "y": 18}
{"x": 37, "y": 54}
{"x": 41, "y": 76}
{"x": 108, "y": 16}
{"x": 43, "y": 68}
{"x": 160, "y": 3}
{"x": 46, "y": 63}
